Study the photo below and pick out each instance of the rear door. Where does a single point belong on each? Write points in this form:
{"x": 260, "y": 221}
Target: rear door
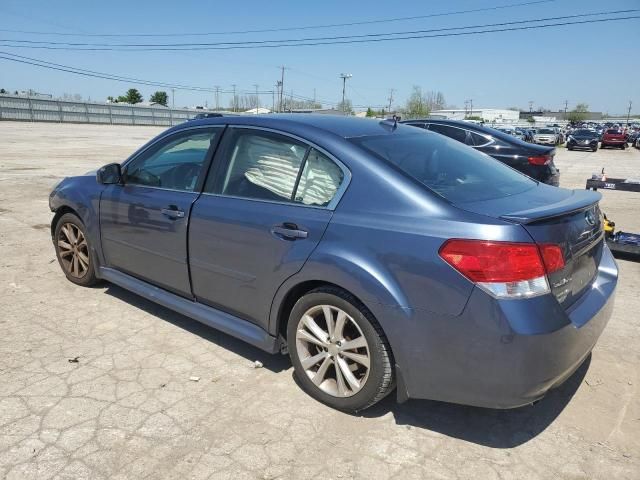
{"x": 144, "y": 221}
{"x": 264, "y": 209}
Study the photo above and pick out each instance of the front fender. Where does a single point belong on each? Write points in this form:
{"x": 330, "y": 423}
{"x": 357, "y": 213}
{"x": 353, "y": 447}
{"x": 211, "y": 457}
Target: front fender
{"x": 82, "y": 196}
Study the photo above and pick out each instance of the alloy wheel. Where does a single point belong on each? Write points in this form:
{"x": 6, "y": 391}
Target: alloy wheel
{"x": 73, "y": 250}
{"x": 333, "y": 351}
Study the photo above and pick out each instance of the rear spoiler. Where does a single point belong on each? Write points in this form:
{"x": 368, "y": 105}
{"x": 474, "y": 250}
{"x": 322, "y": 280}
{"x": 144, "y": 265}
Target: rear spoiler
{"x": 579, "y": 200}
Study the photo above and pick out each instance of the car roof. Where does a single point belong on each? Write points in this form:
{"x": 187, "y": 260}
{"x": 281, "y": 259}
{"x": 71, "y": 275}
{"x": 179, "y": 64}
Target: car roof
{"x": 342, "y": 126}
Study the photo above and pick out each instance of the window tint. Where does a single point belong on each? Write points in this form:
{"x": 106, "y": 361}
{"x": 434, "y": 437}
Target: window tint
{"x": 262, "y": 165}
{"x": 319, "y": 181}
{"x": 452, "y": 132}
{"x": 450, "y": 169}
{"x": 175, "y": 163}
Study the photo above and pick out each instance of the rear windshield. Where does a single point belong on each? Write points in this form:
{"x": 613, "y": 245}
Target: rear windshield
{"x": 546, "y": 131}
{"x": 613, "y": 132}
{"x": 449, "y": 168}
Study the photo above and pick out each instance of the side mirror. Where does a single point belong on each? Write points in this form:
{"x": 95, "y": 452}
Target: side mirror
{"x": 109, "y": 174}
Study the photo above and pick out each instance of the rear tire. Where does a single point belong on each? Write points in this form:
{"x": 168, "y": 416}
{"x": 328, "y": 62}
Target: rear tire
{"x": 73, "y": 250}
{"x": 341, "y": 356}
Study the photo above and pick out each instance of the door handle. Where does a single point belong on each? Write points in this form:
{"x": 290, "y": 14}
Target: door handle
{"x": 172, "y": 212}
{"x": 289, "y": 231}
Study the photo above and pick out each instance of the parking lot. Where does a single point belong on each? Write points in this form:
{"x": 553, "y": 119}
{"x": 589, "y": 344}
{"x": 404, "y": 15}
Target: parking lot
{"x": 99, "y": 383}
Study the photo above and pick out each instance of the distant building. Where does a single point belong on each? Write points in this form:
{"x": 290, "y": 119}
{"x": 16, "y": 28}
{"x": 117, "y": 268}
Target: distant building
{"x": 257, "y": 111}
{"x": 492, "y": 115}
{"x": 323, "y": 111}
{"x": 560, "y": 115}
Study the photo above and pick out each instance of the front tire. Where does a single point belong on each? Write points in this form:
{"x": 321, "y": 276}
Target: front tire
{"x": 74, "y": 251}
{"x": 340, "y": 354}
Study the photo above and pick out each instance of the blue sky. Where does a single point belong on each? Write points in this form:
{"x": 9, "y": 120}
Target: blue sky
{"x": 595, "y": 63}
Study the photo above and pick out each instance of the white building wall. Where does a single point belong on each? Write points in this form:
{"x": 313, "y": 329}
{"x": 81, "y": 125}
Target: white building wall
{"x": 493, "y": 115}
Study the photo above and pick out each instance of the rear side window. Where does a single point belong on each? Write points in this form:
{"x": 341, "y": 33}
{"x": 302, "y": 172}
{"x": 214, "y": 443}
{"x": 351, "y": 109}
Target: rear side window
{"x": 268, "y": 166}
{"x": 450, "y": 169}
{"x": 452, "y": 132}
{"x": 478, "y": 140}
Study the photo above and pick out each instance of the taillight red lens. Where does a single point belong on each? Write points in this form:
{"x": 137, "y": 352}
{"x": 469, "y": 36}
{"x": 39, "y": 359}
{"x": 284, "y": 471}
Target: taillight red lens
{"x": 483, "y": 261}
{"x": 552, "y": 257}
{"x": 541, "y": 160}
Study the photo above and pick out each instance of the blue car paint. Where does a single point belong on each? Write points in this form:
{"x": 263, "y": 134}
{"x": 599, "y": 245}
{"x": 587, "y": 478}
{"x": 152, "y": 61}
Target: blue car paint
{"x": 451, "y": 340}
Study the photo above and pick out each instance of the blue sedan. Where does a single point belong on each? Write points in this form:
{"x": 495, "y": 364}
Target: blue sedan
{"x": 379, "y": 256}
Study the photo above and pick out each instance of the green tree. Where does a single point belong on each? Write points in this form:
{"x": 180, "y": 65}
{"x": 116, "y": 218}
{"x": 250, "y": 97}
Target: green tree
{"x": 132, "y": 96}
{"x": 417, "y": 104}
{"x": 346, "y": 107}
{"x": 579, "y": 114}
{"x": 370, "y": 112}
{"x": 2, "y": 90}
{"x": 160, "y": 97}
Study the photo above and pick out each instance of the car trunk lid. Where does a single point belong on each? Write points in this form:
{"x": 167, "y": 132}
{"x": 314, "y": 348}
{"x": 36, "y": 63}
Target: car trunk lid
{"x": 568, "y": 218}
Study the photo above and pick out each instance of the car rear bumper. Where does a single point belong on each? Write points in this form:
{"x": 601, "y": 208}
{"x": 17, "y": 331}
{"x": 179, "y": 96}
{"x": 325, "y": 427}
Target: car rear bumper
{"x": 613, "y": 142}
{"x": 500, "y": 354}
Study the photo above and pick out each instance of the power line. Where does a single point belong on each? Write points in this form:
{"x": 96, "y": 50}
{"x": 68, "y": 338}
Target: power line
{"x": 284, "y": 29}
{"x": 296, "y": 41}
{"x": 131, "y": 80}
{"x": 339, "y": 42}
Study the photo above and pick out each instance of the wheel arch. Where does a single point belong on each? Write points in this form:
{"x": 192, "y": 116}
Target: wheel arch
{"x": 60, "y": 211}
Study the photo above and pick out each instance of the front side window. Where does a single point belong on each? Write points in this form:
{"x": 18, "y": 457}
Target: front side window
{"x": 175, "y": 163}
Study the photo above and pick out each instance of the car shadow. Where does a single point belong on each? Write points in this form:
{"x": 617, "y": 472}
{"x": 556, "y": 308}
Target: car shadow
{"x": 274, "y": 363}
{"x": 484, "y": 426}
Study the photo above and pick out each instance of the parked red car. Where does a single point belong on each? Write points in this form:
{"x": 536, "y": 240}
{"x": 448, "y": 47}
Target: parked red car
{"x": 613, "y": 138}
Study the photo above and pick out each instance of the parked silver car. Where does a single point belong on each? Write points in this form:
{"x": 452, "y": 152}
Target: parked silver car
{"x": 546, "y": 136}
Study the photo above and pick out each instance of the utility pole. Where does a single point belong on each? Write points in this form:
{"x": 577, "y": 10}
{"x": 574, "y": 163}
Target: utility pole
{"x": 233, "y": 102}
{"x": 466, "y": 108}
{"x": 279, "y": 90}
{"x": 628, "y": 113}
{"x": 344, "y": 77}
{"x": 282, "y": 68}
{"x": 257, "y": 98}
{"x": 471, "y": 107}
{"x": 217, "y": 87}
{"x": 173, "y": 98}
{"x": 314, "y": 97}
{"x": 566, "y": 105}
{"x": 273, "y": 99}
{"x": 390, "y": 98}
{"x": 530, "y": 106}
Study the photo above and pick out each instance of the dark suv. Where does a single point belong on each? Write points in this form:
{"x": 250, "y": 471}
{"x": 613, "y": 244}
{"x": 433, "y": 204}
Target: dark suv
{"x": 535, "y": 161}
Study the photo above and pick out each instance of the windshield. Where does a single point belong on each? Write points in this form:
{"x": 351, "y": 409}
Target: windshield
{"x": 584, "y": 133}
{"x": 449, "y": 168}
{"x": 546, "y": 131}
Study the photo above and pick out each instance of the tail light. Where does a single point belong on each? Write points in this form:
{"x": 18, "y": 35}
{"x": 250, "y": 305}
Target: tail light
{"x": 504, "y": 269}
{"x": 540, "y": 160}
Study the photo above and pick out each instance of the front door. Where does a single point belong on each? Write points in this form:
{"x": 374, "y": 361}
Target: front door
{"x": 259, "y": 218}
{"x": 144, "y": 221}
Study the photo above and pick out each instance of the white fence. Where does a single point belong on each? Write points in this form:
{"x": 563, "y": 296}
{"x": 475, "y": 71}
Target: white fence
{"x": 28, "y": 109}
